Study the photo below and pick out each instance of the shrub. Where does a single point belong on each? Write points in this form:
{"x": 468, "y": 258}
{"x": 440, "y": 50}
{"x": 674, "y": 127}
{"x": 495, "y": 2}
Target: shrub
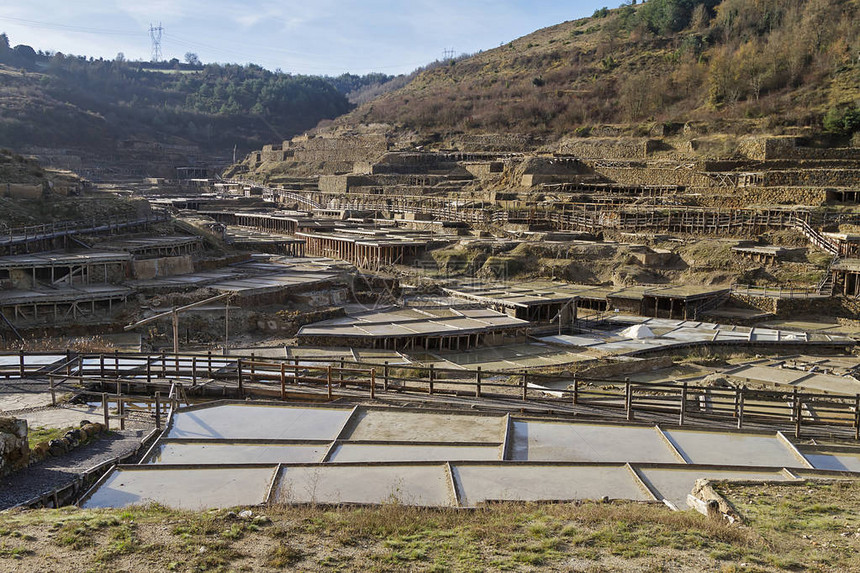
{"x": 842, "y": 121}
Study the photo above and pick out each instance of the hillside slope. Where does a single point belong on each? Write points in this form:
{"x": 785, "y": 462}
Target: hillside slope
{"x": 63, "y": 101}
{"x": 785, "y": 63}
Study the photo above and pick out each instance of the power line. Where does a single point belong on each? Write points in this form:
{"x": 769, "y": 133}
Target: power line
{"x": 448, "y": 54}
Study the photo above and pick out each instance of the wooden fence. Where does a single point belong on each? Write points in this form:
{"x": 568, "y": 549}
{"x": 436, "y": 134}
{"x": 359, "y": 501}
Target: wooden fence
{"x": 188, "y": 374}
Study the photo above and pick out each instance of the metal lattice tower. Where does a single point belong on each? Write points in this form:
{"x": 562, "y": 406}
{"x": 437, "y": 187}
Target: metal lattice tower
{"x": 448, "y": 55}
{"x": 155, "y": 34}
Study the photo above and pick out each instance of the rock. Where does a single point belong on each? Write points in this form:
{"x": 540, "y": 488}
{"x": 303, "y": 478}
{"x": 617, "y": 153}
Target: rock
{"x": 91, "y": 430}
{"x": 246, "y": 514}
{"x": 74, "y": 437}
{"x": 14, "y": 426}
{"x": 40, "y": 451}
{"x": 85, "y": 423}
{"x": 261, "y": 520}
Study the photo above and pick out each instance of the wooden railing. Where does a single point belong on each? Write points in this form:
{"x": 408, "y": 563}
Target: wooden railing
{"x": 275, "y": 378}
{"x": 49, "y": 230}
{"x": 776, "y": 291}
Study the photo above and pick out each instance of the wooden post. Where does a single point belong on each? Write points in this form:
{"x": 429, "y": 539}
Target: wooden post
{"x": 101, "y": 366}
{"x": 53, "y": 392}
{"x": 857, "y": 418}
{"x": 163, "y": 365}
{"x": 628, "y": 399}
{"x": 683, "y": 405}
{"x": 120, "y": 408}
{"x": 21, "y": 363}
{"x": 194, "y": 371}
{"x": 340, "y": 376}
{"x": 328, "y": 380}
{"x": 372, "y": 383}
{"x": 432, "y": 377}
{"x": 575, "y": 390}
{"x": 158, "y": 410}
{"x": 148, "y": 369}
{"x": 253, "y": 358}
{"x": 737, "y": 400}
{"x": 239, "y": 376}
{"x": 209, "y": 362}
{"x": 105, "y": 408}
{"x": 116, "y": 362}
{"x": 740, "y": 402}
{"x": 385, "y": 377}
{"x": 798, "y": 413}
{"x": 525, "y": 385}
{"x": 478, "y": 382}
{"x": 283, "y": 381}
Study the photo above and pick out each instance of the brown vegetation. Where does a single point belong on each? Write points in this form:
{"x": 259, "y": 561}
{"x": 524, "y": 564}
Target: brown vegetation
{"x": 789, "y": 62}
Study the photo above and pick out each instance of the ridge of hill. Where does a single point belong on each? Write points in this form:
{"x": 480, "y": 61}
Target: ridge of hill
{"x": 778, "y": 64}
{"x": 53, "y": 100}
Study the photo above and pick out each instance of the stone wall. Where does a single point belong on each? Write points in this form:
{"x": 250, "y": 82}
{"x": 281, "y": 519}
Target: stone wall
{"x": 485, "y": 170}
{"x": 798, "y": 306}
{"x": 496, "y": 142}
{"x": 643, "y": 175}
{"x": 764, "y": 148}
{"x": 162, "y": 267}
{"x": 22, "y": 191}
{"x": 811, "y": 177}
{"x": 14, "y": 447}
{"x": 348, "y": 148}
{"x": 608, "y": 148}
{"x": 747, "y": 196}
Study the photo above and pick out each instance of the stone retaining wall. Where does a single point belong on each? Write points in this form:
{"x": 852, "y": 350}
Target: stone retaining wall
{"x": 654, "y": 176}
{"x": 608, "y": 148}
{"x": 14, "y": 448}
{"x": 71, "y": 440}
{"x": 764, "y": 148}
{"x": 811, "y": 177}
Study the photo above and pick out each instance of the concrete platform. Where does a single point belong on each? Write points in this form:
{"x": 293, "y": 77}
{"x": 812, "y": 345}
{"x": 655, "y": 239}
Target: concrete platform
{"x": 838, "y": 460}
{"x": 248, "y": 422}
{"x": 235, "y": 453}
{"x": 673, "y": 484}
{"x": 482, "y": 483}
{"x": 396, "y": 425}
{"x": 371, "y": 455}
{"x": 719, "y": 448}
{"x": 423, "y": 485}
{"x": 541, "y": 441}
{"x": 183, "y": 488}
{"x": 413, "y": 453}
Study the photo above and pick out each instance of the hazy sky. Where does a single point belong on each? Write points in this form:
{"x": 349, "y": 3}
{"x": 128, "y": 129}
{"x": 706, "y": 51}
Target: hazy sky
{"x": 299, "y": 36}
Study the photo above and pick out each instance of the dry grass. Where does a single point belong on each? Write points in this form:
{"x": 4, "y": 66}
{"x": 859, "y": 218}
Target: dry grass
{"x": 392, "y": 537}
{"x": 806, "y": 527}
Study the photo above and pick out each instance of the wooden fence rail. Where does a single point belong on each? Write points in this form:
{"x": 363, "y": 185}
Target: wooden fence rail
{"x": 741, "y": 405}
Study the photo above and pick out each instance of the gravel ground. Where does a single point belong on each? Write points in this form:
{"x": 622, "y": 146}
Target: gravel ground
{"x": 53, "y": 473}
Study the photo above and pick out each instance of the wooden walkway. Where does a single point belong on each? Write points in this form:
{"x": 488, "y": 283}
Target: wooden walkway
{"x": 44, "y": 237}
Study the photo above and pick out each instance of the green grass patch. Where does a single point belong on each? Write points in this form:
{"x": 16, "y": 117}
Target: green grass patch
{"x": 39, "y": 434}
